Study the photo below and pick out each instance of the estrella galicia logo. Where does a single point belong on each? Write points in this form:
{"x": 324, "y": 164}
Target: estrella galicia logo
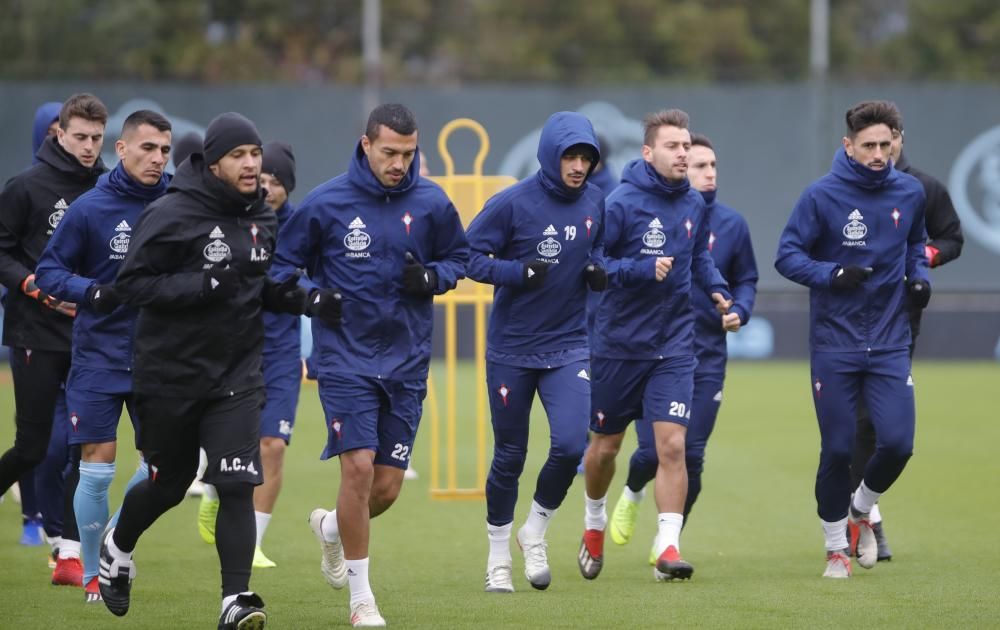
{"x": 974, "y": 185}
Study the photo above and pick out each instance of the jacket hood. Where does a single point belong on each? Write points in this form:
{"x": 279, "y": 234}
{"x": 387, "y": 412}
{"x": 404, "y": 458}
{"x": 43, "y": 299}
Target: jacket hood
{"x": 45, "y": 115}
{"x": 561, "y": 131}
{"x": 847, "y": 169}
{"x": 121, "y": 183}
{"x": 642, "y": 175}
{"x": 360, "y": 174}
{"x": 903, "y": 164}
{"x": 194, "y": 179}
{"x": 53, "y": 154}
{"x": 709, "y": 196}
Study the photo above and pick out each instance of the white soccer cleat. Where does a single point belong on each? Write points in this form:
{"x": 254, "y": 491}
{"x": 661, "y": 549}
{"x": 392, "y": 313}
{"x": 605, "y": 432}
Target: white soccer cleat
{"x": 365, "y": 614}
{"x": 838, "y": 564}
{"x": 499, "y": 579}
{"x": 332, "y": 564}
{"x": 536, "y": 560}
{"x": 864, "y": 545}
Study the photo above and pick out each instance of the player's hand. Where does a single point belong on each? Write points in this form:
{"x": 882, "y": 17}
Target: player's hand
{"x": 596, "y": 276}
{"x": 220, "y": 281}
{"x": 663, "y": 266}
{"x": 932, "y": 253}
{"x": 850, "y": 277}
{"x": 920, "y": 293}
{"x": 722, "y": 304}
{"x": 417, "y": 279}
{"x": 533, "y": 275}
{"x": 731, "y": 322}
{"x": 29, "y": 288}
{"x": 327, "y": 305}
{"x": 103, "y": 298}
{"x": 287, "y": 296}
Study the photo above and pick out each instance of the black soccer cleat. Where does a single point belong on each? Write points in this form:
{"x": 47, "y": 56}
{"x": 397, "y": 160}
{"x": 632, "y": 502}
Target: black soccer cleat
{"x": 246, "y": 612}
{"x": 884, "y": 553}
{"x": 114, "y": 578}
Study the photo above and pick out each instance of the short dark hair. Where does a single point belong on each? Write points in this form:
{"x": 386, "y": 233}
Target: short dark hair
{"x": 701, "y": 140}
{"x": 868, "y": 113}
{"x": 394, "y": 116}
{"x": 663, "y": 118}
{"x": 85, "y": 106}
{"x": 146, "y": 117}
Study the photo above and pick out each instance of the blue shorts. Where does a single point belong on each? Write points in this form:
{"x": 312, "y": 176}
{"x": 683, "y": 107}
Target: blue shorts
{"x": 93, "y": 416}
{"x": 282, "y": 382}
{"x": 657, "y": 391}
{"x": 376, "y": 414}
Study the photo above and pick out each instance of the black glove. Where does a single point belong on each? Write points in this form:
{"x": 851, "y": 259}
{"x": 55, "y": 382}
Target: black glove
{"x": 103, "y": 298}
{"x": 597, "y": 277}
{"x": 327, "y": 304}
{"x": 286, "y": 297}
{"x": 220, "y": 283}
{"x": 920, "y": 293}
{"x": 534, "y": 274}
{"x": 850, "y": 277}
{"x": 417, "y": 279}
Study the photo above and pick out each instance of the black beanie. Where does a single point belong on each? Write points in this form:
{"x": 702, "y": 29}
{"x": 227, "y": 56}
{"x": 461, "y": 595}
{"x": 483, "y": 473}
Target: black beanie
{"x": 226, "y": 132}
{"x": 280, "y": 162}
{"x": 187, "y": 144}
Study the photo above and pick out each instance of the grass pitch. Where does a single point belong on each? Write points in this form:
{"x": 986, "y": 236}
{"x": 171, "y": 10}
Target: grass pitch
{"x": 754, "y": 537}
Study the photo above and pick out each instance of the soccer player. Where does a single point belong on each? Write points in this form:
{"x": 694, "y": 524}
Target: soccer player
{"x": 731, "y": 249}
{"x": 197, "y": 271}
{"x": 856, "y": 238}
{"x": 944, "y": 231}
{"x": 655, "y": 243}
{"x": 378, "y": 242}
{"x": 80, "y": 263}
{"x": 37, "y": 326}
{"x": 535, "y": 242}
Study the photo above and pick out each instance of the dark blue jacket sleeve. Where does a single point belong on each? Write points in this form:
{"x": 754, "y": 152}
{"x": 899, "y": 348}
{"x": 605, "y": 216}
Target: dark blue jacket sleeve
{"x": 742, "y": 274}
{"x": 796, "y": 243}
{"x": 298, "y": 240}
{"x": 916, "y": 259}
{"x": 703, "y": 270}
{"x": 62, "y": 258}
{"x": 451, "y": 250}
{"x": 622, "y": 272}
{"x": 488, "y": 233}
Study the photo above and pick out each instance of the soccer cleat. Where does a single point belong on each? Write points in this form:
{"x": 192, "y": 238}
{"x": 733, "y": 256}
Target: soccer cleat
{"x": 92, "y": 592}
{"x": 68, "y": 572}
{"x": 884, "y": 553}
{"x": 838, "y": 564}
{"x": 32, "y": 534}
{"x": 623, "y": 520}
{"x": 536, "y": 560}
{"x": 332, "y": 564}
{"x": 208, "y": 509}
{"x": 260, "y": 561}
{"x": 591, "y": 556}
{"x": 365, "y": 614}
{"x": 499, "y": 579}
{"x": 246, "y": 612}
{"x": 114, "y": 578}
{"x": 411, "y": 473}
{"x": 670, "y": 566}
{"x": 863, "y": 543}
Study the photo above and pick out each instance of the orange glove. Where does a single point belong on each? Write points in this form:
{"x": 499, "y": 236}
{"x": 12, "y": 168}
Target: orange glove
{"x": 29, "y": 288}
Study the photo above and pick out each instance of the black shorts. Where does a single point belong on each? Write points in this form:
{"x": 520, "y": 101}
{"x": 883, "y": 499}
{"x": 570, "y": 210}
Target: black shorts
{"x": 172, "y": 430}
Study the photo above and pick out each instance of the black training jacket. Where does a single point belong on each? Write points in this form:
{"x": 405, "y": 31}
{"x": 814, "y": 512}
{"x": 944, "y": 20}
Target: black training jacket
{"x": 31, "y": 206}
{"x": 944, "y": 230}
{"x": 186, "y": 345}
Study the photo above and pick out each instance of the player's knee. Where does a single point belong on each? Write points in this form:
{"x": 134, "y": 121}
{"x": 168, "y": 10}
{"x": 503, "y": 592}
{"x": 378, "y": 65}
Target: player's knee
{"x": 384, "y": 494}
{"x": 509, "y": 458}
{"x": 900, "y": 448}
{"x": 670, "y": 448}
{"x": 30, "y": 455}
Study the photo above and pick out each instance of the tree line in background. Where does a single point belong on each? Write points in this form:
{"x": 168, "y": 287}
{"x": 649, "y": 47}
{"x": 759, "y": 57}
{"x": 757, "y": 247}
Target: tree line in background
{"x": 449, "y": 42}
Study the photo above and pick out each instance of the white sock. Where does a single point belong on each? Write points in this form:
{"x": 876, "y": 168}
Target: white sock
{"x": 228, "y": 599}
{"x": 210, "y": 492}
{"x": 668, "y": 531}
{"x": 202, "y": 464}
{"x": 329, "y": 527}
{"x": 69, "y": 549}
{"x": 116, "y": 553}
{"x": 538, "y": 520}
{"x": 263, "y": 519}
{"x": 634, "y": 497}
{"x": 835, "y": 534}
{"x": 357, "y": 580}
{"x": 499, "y": 536}
{"x": 54, "y": 542}
{"x": 864, "y": 498}
{"x": 596, "y": 517}
{"x": 875, "y": 514}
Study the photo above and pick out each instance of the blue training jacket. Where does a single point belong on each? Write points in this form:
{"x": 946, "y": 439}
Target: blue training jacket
{"x": 856, "y": 216}
{"x": 352, "y": 234}
{"x": 540, "y": 219}
{"x": 282, "y": 332}
{"x": 87, "y": 248}
{"x": 731, "y": 249}
{"x": 647, "y": 217}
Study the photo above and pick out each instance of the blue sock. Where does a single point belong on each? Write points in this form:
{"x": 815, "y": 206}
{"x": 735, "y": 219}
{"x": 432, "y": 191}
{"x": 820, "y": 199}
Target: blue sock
{"x": 90, "y": 503}
{"x": 141, "y": 473}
